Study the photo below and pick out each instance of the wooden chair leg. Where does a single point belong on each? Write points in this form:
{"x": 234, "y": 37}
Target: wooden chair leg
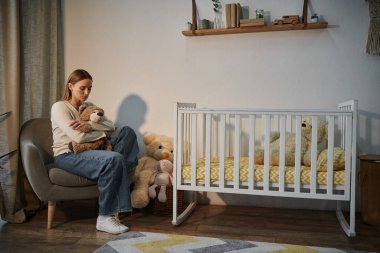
{"x": 51, "y": 211}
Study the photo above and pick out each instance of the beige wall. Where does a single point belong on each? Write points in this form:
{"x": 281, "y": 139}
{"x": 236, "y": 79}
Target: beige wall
{"x": 141, "y": 63}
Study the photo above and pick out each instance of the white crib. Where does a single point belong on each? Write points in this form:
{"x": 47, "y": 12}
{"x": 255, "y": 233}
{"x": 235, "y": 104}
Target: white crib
{"x": 214, "y": 152}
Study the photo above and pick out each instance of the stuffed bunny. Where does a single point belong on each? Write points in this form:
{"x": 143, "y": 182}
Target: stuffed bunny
{"x": 161, "y": 177}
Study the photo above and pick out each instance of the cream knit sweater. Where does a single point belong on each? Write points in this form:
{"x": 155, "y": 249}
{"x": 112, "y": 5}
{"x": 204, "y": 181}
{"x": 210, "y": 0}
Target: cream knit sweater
{"x": 62, "y": 112}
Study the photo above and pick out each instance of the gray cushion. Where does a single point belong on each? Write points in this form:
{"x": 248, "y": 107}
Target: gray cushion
{"x": 64, "y": 178}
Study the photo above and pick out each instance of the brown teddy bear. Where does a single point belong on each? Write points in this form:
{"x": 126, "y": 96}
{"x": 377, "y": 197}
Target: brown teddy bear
{"x": 290, "y": 144}
{"x": 157, "y": 147}
{"x": 94, "y": 114}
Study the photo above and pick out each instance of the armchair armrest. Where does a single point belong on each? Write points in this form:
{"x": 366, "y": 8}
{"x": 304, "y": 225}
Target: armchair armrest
{"x": 35, "y": 170}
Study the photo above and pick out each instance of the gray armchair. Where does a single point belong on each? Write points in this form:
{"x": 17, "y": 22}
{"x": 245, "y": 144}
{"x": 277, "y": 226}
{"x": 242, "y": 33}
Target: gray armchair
{"x": 50, "y": 184}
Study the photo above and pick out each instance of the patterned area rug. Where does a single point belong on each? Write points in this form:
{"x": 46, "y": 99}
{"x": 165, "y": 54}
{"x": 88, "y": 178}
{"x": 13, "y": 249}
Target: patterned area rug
{"x": 133, "y": 242}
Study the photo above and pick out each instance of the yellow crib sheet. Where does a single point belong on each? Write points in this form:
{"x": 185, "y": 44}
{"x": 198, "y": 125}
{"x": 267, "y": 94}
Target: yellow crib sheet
{"x": 339, "y": 175}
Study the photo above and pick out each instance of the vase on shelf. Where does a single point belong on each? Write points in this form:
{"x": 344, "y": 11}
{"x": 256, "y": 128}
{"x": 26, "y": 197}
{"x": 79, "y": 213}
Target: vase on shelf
{"x": 218, "y": 20}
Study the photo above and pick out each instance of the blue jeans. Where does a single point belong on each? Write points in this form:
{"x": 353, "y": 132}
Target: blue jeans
{"x": 109, "y": 168}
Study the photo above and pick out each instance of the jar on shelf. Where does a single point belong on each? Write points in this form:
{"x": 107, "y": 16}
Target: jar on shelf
{"x": 314, "y": 18}
{"x": 218, "y": 20}
{"x": 260, "y": 13}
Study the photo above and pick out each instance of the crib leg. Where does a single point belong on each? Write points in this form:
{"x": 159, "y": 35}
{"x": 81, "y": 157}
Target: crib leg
{"x": 348, "y": 229}
{"x": 177, "y": 220}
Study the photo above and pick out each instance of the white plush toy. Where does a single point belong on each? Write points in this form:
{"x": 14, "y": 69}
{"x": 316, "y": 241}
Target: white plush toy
{"x": 163, "y": 176}
{"x": 290, "y": 144}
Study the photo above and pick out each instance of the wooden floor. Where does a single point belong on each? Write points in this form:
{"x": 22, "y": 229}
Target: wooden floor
{"x": 74, "y": 228}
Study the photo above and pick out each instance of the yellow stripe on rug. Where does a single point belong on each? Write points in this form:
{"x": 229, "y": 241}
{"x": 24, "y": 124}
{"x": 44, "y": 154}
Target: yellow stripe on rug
{"x": 289, "y": 248}
{"x": 158, "y": 245}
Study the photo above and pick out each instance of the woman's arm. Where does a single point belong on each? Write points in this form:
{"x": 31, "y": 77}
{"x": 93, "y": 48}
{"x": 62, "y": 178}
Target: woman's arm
{"x": 62, "y": 117}
{"x": 104, "y": 125}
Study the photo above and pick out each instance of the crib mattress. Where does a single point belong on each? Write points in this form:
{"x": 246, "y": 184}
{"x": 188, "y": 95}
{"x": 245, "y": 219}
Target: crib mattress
{"x": 274, "y": 171}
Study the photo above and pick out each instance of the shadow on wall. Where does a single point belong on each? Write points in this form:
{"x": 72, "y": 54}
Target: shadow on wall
{"x": 132, "y": 113}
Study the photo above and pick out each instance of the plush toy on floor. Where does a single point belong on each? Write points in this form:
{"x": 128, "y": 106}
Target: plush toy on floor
{"x": 290, "y": 144}
{"x": 157, "y": 147}
{"x": 162, "y": 176}
{"x": 94, "y": 114}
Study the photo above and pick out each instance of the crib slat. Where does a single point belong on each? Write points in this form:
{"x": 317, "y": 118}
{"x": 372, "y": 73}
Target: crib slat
{"x": 313, "y": 172}
{"x": 330, "y": 159}
{"x": 297, "y": 170}
{"x": 282, "y": 153}
{"x": 222, "y": 151}
{"x": 343, "y": 127}
{"x": 178, "y": 154}
{"x": 228, "y": 135}
{"x": 266, "y": 151}
{"x": 237, "y": 152}
{"x": 193, "y": 150}
{"x": 251, "y": 152}
{"x": 214, "y": 135}
{"x": 187, "y": 138}
{"x": 348, "y": 150}
{"x": 208, "y": 150}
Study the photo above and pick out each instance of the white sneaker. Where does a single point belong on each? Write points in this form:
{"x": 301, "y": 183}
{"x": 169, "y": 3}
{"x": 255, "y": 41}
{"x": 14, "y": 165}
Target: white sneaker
{"x": 111, "y": 225}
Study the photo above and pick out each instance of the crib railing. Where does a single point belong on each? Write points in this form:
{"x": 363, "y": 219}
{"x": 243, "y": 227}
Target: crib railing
{"x": 207, "y": 133}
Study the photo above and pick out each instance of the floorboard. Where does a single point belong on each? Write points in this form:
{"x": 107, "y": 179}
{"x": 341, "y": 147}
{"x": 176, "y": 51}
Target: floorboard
{"x": 74, "y": 228}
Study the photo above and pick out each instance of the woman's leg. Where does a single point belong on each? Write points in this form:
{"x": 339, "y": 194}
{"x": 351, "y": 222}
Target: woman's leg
{"x": 109, "y": 170}
{"x": 124, "y": 141}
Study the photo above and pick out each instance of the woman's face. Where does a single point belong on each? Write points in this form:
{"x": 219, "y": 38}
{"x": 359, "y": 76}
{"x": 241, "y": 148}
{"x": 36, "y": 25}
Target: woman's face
{"x": 81, "y": 90}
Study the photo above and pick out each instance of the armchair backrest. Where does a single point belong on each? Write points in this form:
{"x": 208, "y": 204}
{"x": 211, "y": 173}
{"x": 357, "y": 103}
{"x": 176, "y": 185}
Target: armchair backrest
{"x": 39, "y": 133}
{"x": 36, "y": 152}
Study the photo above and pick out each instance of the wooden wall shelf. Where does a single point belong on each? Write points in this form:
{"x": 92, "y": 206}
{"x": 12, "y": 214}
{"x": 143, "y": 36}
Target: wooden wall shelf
{"x": 266, "y": 28}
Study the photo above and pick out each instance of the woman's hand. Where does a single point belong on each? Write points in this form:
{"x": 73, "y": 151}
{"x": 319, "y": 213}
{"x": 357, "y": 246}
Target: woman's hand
{"x": 80, "y": 125}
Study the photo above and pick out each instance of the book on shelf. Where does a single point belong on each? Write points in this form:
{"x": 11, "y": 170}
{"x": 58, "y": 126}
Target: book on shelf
{"x": 238, "y": 14}
{"x": 251, "y": 22}
{"x": 250, "y": 25}
{"x": 228, "y": 15}
{"x": 233, "y": 15}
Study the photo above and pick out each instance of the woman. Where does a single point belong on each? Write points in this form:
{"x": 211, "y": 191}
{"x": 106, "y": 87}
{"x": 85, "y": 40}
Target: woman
{"x": 109, "y": 168}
